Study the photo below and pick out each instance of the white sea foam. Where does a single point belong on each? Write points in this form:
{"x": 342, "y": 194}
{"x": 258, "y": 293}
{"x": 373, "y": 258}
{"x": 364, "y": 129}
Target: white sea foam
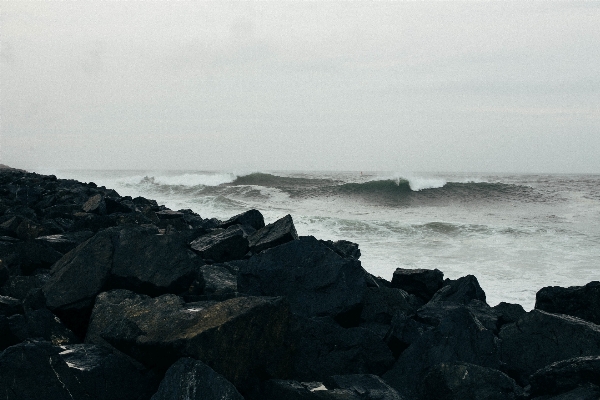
{"x": 195, "y": 179}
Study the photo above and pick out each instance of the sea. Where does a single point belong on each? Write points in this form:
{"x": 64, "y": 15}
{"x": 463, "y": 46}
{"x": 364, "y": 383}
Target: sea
{"x": 516, "y": 233}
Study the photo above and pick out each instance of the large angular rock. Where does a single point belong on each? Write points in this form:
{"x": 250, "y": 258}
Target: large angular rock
{"x": 41, "y": 324}
{"x": 77, "y": 278}
{"x": 95, "y": 204}
{"x": 508, "y": 313}
{"x": 539, "y": 338}
{"x": 585, "y": 392}
{"x": 277, "y": 389}
{"x": 315, "y": 279}
{"x": 463, "y": 381}
{"x": 462, "y": 290}
{"x": 321, "y": 348}
{"x": 106, "y": 375}
{"x": 279, "y": 232}
{"x": 252, "y": 218}
{"x": 343, "y": 247}
{"x": 39, "y": 370}
{"x": 380, "y": 304}
{"x": 222, "y": 245}
{"x": 241, "y": 339}
{"x": 423, "y": 283}
{"x": 153, "y": 264}
{"x": 578, "y": 301}
{"x": 10, "y": 306}
{"x": 190, "y": 379}
{"x": 35, "y": 371}
{"x": 459, "y": 337}
{"x": 566, "y": 375}
{"x": 217, "y": 280}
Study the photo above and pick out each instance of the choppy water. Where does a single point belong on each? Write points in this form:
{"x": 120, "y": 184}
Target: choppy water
{"x": 516, "y": 233}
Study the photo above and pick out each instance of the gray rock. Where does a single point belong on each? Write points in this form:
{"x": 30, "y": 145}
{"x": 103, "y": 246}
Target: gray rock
{"x": 275, "y": 234}
{"x": 463, "y": 381}
{"x": 252, "y": 218}
{"x": 539, "y": 338}
{"x": 190, "y": 379}
{"x": 423, "y": 283}
{"x": 578, "y": 301}
{"x": 315, "y": 280}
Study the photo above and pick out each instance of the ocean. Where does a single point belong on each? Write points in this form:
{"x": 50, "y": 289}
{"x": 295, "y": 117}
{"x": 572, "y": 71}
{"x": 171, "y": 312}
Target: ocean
{"x": 515, "y": 233}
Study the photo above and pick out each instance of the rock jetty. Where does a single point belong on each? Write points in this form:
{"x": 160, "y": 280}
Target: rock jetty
{"x": 105, "y": 296}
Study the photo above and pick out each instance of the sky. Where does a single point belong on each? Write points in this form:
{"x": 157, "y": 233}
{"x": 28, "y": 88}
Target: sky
{"x": 376, "y": 86}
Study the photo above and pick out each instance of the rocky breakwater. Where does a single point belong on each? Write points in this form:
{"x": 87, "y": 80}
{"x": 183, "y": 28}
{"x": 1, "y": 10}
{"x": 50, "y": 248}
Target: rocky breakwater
{"x": 111, "y": 297}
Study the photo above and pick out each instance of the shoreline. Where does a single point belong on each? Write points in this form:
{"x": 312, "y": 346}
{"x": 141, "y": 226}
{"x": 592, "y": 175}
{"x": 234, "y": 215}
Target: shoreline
{"x": 166, "y": 298}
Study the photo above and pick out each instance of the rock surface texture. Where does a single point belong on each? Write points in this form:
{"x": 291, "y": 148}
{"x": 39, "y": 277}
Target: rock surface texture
{"x": 105, "y": 296}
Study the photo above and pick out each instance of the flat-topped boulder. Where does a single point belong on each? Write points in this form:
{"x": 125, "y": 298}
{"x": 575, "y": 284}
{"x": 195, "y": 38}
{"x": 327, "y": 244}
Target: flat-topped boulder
{"x": 423, "y": 283}
{"x": 578, "y": 301}
{"x": 539, "y": 338}
{"x": 223, "y": 245}
{"x": 241, "y": 339}
{"x": 315, "y": 279}
{"x": 279, "y": 232}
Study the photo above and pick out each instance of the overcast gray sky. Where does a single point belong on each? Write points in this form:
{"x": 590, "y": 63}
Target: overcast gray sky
{"x": 403, "y": 86}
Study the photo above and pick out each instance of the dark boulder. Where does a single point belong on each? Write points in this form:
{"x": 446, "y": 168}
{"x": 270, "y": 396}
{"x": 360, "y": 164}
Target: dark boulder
{"x": 343, "y": 247}
{"x": 222, "y": 245}
{"x": 566, "y": 375}
{"x": 539, "y": 338}
{"x": 508, "y": 313}
{"x": 275, "y": 234}
{"x": 462, "y": 381}
{"x": 41, "y": 324}
{"x": 278, "y": 389}
{"x": 252, "y": 218}
{"x": 585, "y": 392}
{"x": 116, "y": 205}
{"x": 20, "y": 286}
{"x": 77, "y": 278}
{"x": 152, "y": 264}
{"x": 423, "y": 283}
{"x": 459, "y": 337}
{"x": 578, "y": 301}
{"x": 10, "y": 306}
{"x": 217, "y": 280}
{"x": 35, "y": 371}
{"x": 320, "y": 348}
{"x": 190, "y": 379}
{"x": 462, "y": 290}
{"x": 240, "y": 338}
{"x": 315, "y": 279}
{"x": 380, "y": 304}
{"x": 106, "y": 375}
{"x": 433, "y": 312}
{"x": 404, "y": 331}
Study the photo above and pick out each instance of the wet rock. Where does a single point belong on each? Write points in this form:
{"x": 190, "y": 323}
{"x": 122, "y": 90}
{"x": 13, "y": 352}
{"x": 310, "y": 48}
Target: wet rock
{"x": 35, "y": 371}
{"x": 20, "y": 286}
{"x": 115, "y": 205}
{"x": 343, "y": 247}
{"x": 539, "y": 338}
{"x": 217, "y": 279}
{"x": 152, "y": 264}
{"x": 105, "y": 375}
{"x": 463, "y": 381}
{"x": 508, "y": 313}
{"x": 241, "y": 339}
{"x": 433, "y": 312}
{"x": 459, "y": 337}
{"x": 423, "y": 283}
{"x": 322, "y": 348}
{"x": 190, "y": 379}
{"x": 10, "y": 306}
{"x": 566, "y": 375}
{"x": 578, "y": 301}
{"x": 462, "y": 290}
{"x": 315, "y": 280}
{"x": 277, "y": 389}
{"x": 252, "y": 218}
{"x": 279, "y": 232}
{"x": 41, "y": 324}
{"x": 222, "y": 245}
{"x": 404, "y": 330}
{"x": 380, "y": 304}
{"x": 585, "y": 392}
